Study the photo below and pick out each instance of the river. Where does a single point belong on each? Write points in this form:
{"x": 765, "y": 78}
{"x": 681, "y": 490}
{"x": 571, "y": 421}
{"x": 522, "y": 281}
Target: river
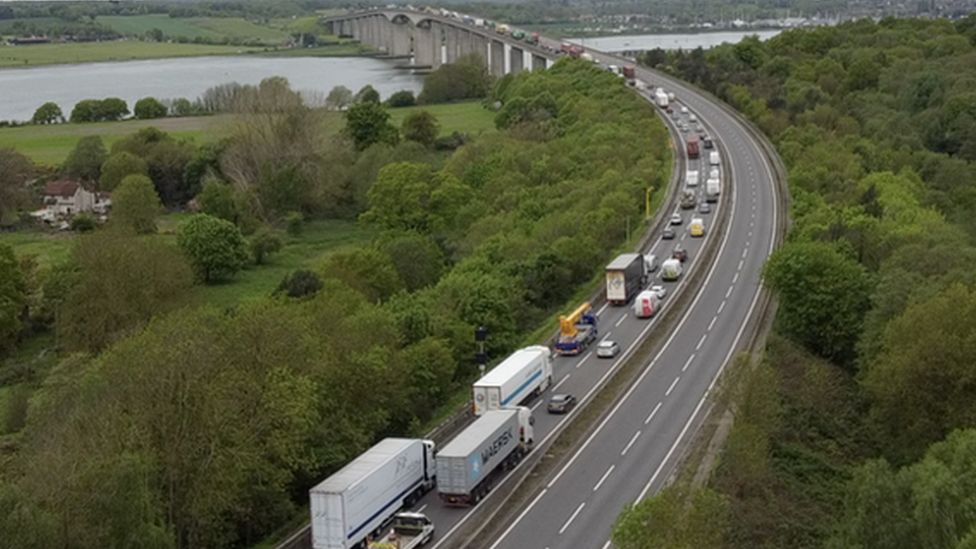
{"x": 687, "y": 41}
{"x": 23, "y": 90}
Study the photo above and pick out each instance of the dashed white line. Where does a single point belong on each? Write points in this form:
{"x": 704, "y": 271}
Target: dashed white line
{"x": 652, "y": 414}
{"x": 712, "y": 323}
{"x": 729, "y": 291}
{"x": 741, "y": 261}
{"x": 603, "y": 478}
{"x": 720, "y": 308}
{"x": 422, "y": 507}
{"x": 572, "y": 517}
{"x": 588, "y": 355}
{"x": 561, "y": 381}
{"x": 631, "y": 443}
{"x": 688, "y": 362}
{"x": 745, "y": 251}
{"x": 700, "y": 342}
{"x": 735, "y": 278}
{"x": 671, "y": 388}
{"x": 619, "y": 322}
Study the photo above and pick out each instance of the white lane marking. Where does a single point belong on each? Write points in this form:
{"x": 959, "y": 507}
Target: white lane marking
{"x": 561, "y": 381}
{"x": 690, "y": 358}
{"x": 683, "y": 235}
{"x": 745, "y": 251}
{"x": 673, "y": 384}
{"x": 422, "y": 507}
{"x": 601, "y": 309}
{"x": 606, "y": 545}
{"x": 735, "y": 278}
{"x": 526, "y": 511}
{"x": 619, "y": 322}
{"x": 720, "y": 307}
{"x": 729, "y": 291}
{"x": 712, "y": 323}
{"x": 536, "y": 405}
{"x": 603, "y": 478}
{"x": 588, "y": 355}
{"x": 741, "y": 262}
{"x": 631, "y": 443}
{"x": 572, "y": 517}
{"x": 652, "y": 414}
{"x": 700, "y": 342}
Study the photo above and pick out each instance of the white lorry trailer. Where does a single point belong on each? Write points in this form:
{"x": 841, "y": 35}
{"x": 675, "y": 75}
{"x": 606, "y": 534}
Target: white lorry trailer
{"x": 360, "y": 499}
{"x": 661, "y": 98}
{"x": 713, "y": 188}
{"x": 468, "y": 465}
{"x": 524, "y": 373}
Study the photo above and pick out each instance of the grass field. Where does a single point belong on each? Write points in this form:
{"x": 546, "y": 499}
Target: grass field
{"x": 214, "y": 28}
{"x": 50, "y": 145}
{"x": 118, "y": 50}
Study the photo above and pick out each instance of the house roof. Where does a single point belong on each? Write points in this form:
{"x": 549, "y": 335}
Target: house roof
{"x": 62, "y": 187}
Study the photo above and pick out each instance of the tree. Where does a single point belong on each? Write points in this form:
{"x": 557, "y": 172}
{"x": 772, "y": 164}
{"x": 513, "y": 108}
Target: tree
{"x": 367, "y": 270}
{"x": 48, "y": 113}
{"x": 182, "y": 107}
{"x": 467, "y": 78}
{"x": 167, "y": 159}
{"x": 417, "y": 259}
{"x": 15, "y": 171}
{"x": 412, "y": 196}
{"x": 674, "y": 518}
{"x": 402, "y": 98}
{"x": 135, "y": 205}
{"x": 149, "y": 107}
{"x": 111, "y": 109}
{"x": 83, "y": 223}
{"x": 118, "y": 166}
{"x": 367, "y": 94}
{"x": 13, "y": 296}
{"x": 299, "y": 284}
{"x": 264, "y": 243}
{"x": 421, "y": 127}
{"x": 339, "y": 98}
{"x": 823, "y": 297}
{"x": 122, "y": 281}
{"x": 215, "y": 247}
{"x": 85, "y": 160}
{"x": 217, "y": 199}
{"x": 368, "y": 123}
{"x": 85, "y": 110}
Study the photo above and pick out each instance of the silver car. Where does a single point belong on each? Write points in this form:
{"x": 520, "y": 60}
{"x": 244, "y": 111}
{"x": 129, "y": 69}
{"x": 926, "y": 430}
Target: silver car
{"x": 607, "y": 349}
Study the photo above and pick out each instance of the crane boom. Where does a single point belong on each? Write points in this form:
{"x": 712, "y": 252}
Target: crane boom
{"x": 567, "y": 323}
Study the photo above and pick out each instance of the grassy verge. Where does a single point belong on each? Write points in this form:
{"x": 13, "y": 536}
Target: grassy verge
{"x": 118, "y": 50}
{"x": 50, "y": 145}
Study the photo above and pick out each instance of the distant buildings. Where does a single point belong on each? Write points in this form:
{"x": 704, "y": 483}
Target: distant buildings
{"x": 65, "y": 198}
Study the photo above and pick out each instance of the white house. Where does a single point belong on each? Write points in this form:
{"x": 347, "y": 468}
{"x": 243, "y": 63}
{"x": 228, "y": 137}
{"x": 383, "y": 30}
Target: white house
{"x": 65, "y": 198}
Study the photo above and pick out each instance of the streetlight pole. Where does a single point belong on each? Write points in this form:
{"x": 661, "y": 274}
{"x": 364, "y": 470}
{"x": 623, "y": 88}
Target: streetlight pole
{"x": 480, "y": 335}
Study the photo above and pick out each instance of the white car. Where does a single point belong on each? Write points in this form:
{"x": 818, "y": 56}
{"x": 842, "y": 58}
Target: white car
{"x": 684, "y": 109}
{"x": 607, "y": 349}
{"x": 676, "y": 219}
{"x": 692, "y": 118}
{"x": 659, "y": 290}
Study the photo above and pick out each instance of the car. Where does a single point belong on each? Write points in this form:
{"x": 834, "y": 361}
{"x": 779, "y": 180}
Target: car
{"x": 684, "y": 129}
{"x": 692, "y": 118}
{"x": 684, "y": 109}
{"x": 702, "y": 133}
{"x": 707, "y": 142}
{"x": 680, "y": 254}
{"x": 676, "y": 219}
{"x": 561, "y": 403}
{"x": 667, "y": 234}
{"x": 704, "y": 208}
{"x": 661, "y": 291}
{"x": 607, "y": 349}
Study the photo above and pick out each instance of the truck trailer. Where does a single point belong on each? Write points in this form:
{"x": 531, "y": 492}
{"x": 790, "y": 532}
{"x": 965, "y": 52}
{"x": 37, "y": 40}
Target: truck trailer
{"x": 361, "y": 498}
{"x": 468, "y": 466}
{"x": 661, "y": 98}
{"x": 525, "y": 373}
{"x": 713, "y": 188}
{"x": 692, "y": 147}
{"x": 626, "y": 275}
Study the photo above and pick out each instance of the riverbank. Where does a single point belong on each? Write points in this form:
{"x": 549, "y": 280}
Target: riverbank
{"x": 135, "y": 50}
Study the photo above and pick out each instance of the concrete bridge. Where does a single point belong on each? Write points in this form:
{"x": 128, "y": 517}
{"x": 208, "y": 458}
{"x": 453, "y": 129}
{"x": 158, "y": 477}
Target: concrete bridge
{"x": 431, "y": 40}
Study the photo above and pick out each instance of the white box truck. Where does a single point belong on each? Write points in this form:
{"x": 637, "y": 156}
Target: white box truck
{"x": 691, "y": 178}
{"x": 714, "y": 159}
{"x": 647, "y": 304}
{"x": 362, "y": 497}
{"x": 524, "y": 373}
{"x": 671, "y": 269}
{"x": 468, "y": 465}
{"x": 713, "y": 188}
{"x": 661, "y": 98}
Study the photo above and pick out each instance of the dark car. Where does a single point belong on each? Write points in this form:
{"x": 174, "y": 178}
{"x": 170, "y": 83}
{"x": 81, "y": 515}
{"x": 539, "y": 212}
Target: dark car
{"x": 668, "y": 234}
{"x": 680, "y": 254}
{"x": 561, "y": 403}
{"x": 707, "y": 143}
{"x": 704, "y": 208}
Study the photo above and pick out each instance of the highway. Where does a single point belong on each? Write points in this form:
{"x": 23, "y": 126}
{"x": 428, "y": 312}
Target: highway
{"x": 634, "y": 448}
{"x": 636, "y": 444}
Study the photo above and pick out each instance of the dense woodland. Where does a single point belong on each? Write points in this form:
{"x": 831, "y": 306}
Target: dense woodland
{"x": 165, "y": 424}
{"x": 857, "y": 428}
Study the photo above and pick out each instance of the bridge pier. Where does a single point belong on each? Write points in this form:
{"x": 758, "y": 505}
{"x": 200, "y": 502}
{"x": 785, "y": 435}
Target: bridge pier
{"x": 452, "y": 44}
{"x": 423, "y": 47}
{"x": 401, "y": 38}
{"x": 516, "y": 60}
{"x": 538, "y": 63}
{"x": 496, "y": 54}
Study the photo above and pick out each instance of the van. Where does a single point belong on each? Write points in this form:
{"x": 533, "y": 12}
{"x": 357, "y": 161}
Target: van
{"x": 697, "y": 227}
{"x": 714, "y": 174}
{"x": 713, "y": 158}
{"x": 691, "y": 179}
{"x": 671, "y": 270}
{"x": 650, "y": 263}
{"x": 646, "y": 304}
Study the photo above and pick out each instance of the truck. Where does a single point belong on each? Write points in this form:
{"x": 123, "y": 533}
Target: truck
{"x": 410, "y": 530}
{"x": 688, "y": 199}
{"x": 692, "y": 147}
{"x": 626, "y": 275}
{"x": 691, "y": 178}
{"x": 647, "y": 304}
{"x": 630, "y": 73}
{"x": 671, "y": 269}
{"x": 532, "y": 38}
{"x": 502, "y": 29}
{"x": 576, "y": 331}
{"x": 357, "y": 501}
{"x": 697, "y": 227}
{"x": 518, "y": 34}
{"x": 713, "y": 188}
{"x": 661, "y": 98}
{"x": 525, "y": 373}
{"x": 468, "y": 465}
{"x": 713, "y": 158}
